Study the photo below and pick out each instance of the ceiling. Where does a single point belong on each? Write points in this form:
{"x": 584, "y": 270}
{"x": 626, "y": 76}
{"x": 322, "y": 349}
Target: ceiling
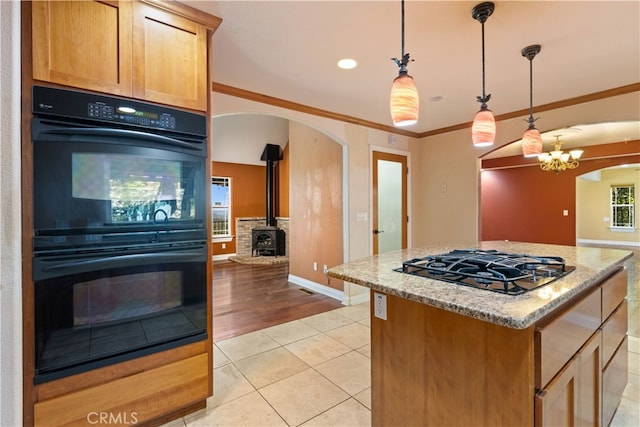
{"x": 289, "y": 50}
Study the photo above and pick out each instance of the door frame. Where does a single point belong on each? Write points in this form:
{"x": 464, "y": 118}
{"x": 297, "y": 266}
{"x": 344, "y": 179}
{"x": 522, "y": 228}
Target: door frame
{"x": 373, "y": 199}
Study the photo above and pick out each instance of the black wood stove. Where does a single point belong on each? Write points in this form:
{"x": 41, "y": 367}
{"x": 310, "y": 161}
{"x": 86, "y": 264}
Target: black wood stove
{"x": 269, "y": 240}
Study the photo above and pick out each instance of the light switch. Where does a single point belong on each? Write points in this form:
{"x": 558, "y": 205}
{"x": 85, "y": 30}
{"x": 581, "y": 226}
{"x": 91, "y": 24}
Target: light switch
{"x": 565, "y": 212}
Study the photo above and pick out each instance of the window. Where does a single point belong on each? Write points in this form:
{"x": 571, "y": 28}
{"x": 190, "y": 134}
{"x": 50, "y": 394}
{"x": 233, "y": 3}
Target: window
{"x": 221, "y": 206}
{"x": 622, "y": 206}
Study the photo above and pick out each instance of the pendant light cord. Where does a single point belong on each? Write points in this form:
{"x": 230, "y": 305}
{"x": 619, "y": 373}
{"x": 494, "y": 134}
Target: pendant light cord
{"x": 530, "y": 52}
{"x": 531, "y": 119}
{"x": 484, "y": 98}
{"x": 483, "y": 90}
{"x": 402, "y": 28}
{"x": 404, "y": 59}
{"x": 480, "y": 13}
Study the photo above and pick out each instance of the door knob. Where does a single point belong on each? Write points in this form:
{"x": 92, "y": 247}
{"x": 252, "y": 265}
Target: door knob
{"x": 376, "y": 231}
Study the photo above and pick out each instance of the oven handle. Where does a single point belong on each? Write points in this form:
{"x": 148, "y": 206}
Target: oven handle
{"x": 120, "y": 260}
{"x": 122, "y": 133}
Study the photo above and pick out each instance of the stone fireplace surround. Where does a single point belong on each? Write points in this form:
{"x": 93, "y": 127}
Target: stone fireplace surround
{"x": 243, "y": 241}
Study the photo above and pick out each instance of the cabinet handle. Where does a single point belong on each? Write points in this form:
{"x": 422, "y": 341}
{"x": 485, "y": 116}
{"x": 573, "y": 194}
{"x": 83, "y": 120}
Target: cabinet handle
{"x": 541, "y": 393}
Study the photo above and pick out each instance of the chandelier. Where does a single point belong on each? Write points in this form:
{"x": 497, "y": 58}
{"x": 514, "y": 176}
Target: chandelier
{"x": 558, "y": 161}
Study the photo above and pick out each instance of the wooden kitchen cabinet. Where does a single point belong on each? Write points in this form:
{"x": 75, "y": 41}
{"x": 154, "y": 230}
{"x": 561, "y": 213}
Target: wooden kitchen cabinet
{"x": 567, "y": 369}
{"x": 573, "y": 396}
{"x": 124, "y": 48}
{"x": 614, "y": 344}
{"x": 91, "y": 45}
{"x": 170, "y": 58}
{"x": 581, "y": 358}
{"x": 84, "y": 44}
{"x": 614, "y": 380}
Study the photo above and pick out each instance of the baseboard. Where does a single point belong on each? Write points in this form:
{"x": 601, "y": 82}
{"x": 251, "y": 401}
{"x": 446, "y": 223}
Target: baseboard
{"x": 634, "y": 245}
{"x": 222, "y": 257}
{"x": 356, "y": 299}
{"x": 317, "y": 288}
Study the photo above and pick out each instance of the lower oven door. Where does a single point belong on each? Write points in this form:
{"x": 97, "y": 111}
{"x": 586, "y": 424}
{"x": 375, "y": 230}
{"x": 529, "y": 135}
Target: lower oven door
{"x": 101, "y": 308}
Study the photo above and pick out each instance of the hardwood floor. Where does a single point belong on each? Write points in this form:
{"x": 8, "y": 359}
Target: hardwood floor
{"x": 247, "y": 298}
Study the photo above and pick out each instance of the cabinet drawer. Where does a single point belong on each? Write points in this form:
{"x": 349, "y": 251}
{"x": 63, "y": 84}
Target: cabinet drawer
{"x": 614, "y": 380}
{"x": 133, "y": 399}
{"x": 613, "y": 332}
{"x": 559, "y": 339}
{"x": 614, "y": 290}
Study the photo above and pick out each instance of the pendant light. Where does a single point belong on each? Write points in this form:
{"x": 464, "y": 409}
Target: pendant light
{"x": 404, "y": 102}
{"x": 531, "y": 140}
{"x": 483, "y": 131}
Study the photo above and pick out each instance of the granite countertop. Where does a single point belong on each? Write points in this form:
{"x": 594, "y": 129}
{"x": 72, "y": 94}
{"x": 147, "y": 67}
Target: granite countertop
{"x": 513, "y": 311}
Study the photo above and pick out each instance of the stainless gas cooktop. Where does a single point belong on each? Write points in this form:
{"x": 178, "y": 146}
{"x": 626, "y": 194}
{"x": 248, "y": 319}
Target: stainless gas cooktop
{"x": 502, "y": 272}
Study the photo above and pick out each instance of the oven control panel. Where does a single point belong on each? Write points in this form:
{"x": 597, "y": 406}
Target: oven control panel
{"x": 73, "y": 105}
{"x": 130, "y": 115}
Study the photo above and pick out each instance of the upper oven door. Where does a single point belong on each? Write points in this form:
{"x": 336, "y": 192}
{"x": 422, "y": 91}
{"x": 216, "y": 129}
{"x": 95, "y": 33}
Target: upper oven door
{"x": 109, "y": 186}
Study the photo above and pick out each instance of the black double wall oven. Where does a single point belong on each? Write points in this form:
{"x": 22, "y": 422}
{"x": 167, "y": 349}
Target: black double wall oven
{"x": 120, "y": 241}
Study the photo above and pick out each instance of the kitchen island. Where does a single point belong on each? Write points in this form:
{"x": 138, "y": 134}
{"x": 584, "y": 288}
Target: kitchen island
{"x": 456, "y": 355}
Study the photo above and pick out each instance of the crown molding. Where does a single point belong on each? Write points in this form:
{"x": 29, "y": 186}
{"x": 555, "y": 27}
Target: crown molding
{"x": 283, "y": 103}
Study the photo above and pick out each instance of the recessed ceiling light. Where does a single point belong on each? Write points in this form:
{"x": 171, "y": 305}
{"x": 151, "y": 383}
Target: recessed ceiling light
{"x": 347, "y": 63}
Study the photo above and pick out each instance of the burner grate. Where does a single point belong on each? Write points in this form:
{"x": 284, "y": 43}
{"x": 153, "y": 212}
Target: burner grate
{"x": 502, "y": 272}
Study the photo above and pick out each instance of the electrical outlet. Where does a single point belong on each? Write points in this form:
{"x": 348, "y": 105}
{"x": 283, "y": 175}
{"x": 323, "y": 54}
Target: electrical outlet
{"x": 224, "y": 246}
{"x": 380, "y": 306}
{"x": 324, "y": 268}
{"x": 315, "y": 266}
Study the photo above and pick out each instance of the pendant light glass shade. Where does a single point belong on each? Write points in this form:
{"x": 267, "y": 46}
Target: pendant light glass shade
{"x": 483, "y": 131}
{"x": 404, "y": 102}
{"x": 531, "y": 142}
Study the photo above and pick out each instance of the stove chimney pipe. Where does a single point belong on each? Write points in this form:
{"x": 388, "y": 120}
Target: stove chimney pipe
{"x": 271, "y": 154}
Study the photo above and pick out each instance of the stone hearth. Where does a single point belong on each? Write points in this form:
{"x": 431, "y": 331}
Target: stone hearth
{"x": 243, "y": 241}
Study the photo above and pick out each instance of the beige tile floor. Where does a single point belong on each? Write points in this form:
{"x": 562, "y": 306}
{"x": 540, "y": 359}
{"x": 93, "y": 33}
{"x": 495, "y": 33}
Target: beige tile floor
{"x": 316, "y": 372}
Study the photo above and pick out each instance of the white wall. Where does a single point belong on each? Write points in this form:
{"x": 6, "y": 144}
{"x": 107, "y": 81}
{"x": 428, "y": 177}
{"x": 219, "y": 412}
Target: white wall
{"x": 10, "y": 252}
{"x": 240, "y": 138}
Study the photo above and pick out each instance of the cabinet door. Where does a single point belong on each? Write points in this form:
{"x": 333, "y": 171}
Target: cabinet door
{"x": 84, "y": 44}
{"x": 170, "y": 58}
{"x": 614, "y": 381}
{"x": 572, "y": 398}
{"x": 589, "y": 383}
{"x": 556, "y": 405}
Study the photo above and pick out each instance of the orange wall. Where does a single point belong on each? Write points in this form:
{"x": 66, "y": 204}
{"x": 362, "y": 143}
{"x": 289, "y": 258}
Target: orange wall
{"x": 248, "y": 195}
{"x": 315, "y": 221}
{"x": 526, "y": 203}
